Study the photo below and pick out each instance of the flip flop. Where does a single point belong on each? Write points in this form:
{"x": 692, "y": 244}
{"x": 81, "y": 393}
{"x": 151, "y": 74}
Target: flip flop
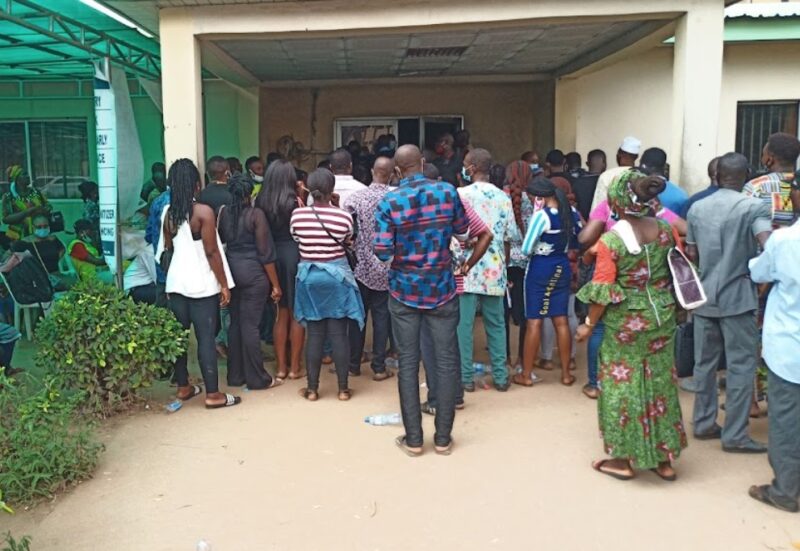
{"x": 196, "y": 389}
{"x": 310, "y": 395}
{"x": 345, "y": 395}
{"x": 598, "y": 466}
{"x": 568, "y": 382}
{"x": 669, "y": 478}
{"x": 230, "y": 401}
{"x": 295, "y": 376}
{"x": 401, "y": 443}
{"x": 276, "y": 381}
{"x": 759, "y": 493}
{"x": 519, "y": 377}
{"x": 444, "y": 451}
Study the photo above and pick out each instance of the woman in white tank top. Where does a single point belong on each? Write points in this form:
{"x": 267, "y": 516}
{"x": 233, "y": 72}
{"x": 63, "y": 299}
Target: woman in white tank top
{"x": 198, "y": 279}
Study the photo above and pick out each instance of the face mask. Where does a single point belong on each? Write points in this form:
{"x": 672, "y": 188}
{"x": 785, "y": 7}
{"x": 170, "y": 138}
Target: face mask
{"x": 439, "y": 150}
{"x": 534, "y": 167}
{"x": 465, "y": 175}
{"x": 257, "y": 178}
{"x": 41, "y": 232}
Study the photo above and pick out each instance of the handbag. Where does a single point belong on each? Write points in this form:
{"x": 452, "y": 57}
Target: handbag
{"x": 56, "y": 222}
{"x": 349, "y": 253}
{"x": 166, "y": 255}
{"x": 688, "y": 287}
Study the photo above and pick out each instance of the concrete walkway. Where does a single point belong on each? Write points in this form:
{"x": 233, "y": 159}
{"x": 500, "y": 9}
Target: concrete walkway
{"x": 280, "y": 473}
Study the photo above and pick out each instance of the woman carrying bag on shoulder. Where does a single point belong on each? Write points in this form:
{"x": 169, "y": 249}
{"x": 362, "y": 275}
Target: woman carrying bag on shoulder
{"x": 326, "y": 292}
{"x": 198, "y": 278}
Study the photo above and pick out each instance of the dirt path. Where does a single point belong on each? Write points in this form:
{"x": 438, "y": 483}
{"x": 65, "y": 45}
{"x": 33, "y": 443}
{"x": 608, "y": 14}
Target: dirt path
{"x": 280, "y": 473}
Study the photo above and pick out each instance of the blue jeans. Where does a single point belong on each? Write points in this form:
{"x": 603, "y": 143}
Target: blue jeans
{"x": 593, "y": 351}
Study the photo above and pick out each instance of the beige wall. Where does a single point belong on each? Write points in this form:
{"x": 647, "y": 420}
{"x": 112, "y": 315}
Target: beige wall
{"x": 635, "y": 96}
{"x": 506, "y": 119}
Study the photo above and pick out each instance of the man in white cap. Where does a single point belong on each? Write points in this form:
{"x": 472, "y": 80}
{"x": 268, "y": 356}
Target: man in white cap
{"x": 627, "y": 154}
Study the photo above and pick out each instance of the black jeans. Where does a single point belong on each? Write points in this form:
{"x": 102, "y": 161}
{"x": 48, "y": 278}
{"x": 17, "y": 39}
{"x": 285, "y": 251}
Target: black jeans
{"x": 441, "y": 323}
{"x": 202, "y": 313}
{"x": 376, "y": 304}
{"x": 516, "y": 312}
{"x": 428, "y": 352}
{"x": 316, "y": 333}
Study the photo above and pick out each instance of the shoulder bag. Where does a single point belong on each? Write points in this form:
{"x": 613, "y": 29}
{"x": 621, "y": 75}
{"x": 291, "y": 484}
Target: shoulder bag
{"x": 349, "y": 253}
{"x": 688, "y": 287}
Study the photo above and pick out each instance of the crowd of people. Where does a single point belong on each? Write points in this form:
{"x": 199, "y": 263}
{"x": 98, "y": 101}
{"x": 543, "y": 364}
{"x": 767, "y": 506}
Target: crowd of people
{"x": 422, "y": 242}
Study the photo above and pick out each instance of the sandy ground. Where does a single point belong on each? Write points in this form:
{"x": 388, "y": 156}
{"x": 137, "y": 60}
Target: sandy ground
{"x": 280, "y": 473}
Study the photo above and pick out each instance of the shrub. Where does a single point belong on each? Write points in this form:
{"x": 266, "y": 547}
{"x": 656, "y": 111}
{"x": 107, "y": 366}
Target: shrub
{"x": 45, "y": 444}
{"x": 99, "y": 342}
{"x": 23, "y": 544}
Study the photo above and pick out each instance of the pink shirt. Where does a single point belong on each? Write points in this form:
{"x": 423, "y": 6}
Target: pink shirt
{"x": 602, "y": 212}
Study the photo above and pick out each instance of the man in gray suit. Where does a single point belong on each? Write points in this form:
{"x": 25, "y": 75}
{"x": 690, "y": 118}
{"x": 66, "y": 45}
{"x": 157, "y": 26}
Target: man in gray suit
{"x": 725, "y": 230}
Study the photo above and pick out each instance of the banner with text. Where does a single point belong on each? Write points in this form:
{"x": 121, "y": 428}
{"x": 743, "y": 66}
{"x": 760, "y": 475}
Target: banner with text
{"x": 106, "y": 125}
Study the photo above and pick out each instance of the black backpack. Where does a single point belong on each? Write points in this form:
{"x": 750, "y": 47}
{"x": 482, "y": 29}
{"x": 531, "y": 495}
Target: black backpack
{"x": 29, "y": 283}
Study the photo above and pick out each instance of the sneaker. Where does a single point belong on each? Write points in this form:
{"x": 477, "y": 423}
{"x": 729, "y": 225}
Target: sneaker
{"x": 459, "y": 405}
{"x": 502, "y": 387}
{"x": 427, "y": 408}
{"x": 468, "y": 387}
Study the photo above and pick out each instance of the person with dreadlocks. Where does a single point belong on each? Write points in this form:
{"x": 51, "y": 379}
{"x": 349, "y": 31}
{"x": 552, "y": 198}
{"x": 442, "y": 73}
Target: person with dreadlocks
{"x": 518, "y": 176}
{"x": 198, "y": 278}
{"x": 251, "y": 255}
{"x": 551, "y": 233}
{"x": 21, "y": 204}
{"x": 631, "y": 290}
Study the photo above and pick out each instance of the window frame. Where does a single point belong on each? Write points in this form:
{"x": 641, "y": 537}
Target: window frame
{"x": 29, "y": 157}
{"x": 741, "y": 104}
{"x": 382, "y": 120}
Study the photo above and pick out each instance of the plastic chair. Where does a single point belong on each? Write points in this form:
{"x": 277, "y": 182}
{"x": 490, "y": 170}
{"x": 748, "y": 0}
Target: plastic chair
{"x": 23, "y": 312}
{"x": 65, "y": 266}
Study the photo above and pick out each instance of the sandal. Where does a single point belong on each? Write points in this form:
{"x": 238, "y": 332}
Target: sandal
{"x": 310, "y": 395}
{"x": 282, "y": 375}
{"x": 230, "y": 401}
{"x": 520, "y": 379}
{"x": 547, "y": 365}
{"x": 276, "y": 381}
{"x": 295, "y": 376}
{"x": 598, "y": 466}
{"x": 669, "y": 478}
{"x": 401, "y": 443}
{"x": 760, "y": 493}
{"x": 569, "y": 381}
{"x": 590, "y": 392}
{"x": 383, "y": 375}
{"x": 345, "y": 395}
{"x": 444, "y": 450}
{"x": 196, "y": 389}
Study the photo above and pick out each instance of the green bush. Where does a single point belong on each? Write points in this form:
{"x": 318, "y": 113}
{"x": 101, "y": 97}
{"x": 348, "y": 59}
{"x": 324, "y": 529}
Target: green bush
{"x": 45, "y": 443}
{"x": 99, "y": 342}
{"x": 23, "y": 544}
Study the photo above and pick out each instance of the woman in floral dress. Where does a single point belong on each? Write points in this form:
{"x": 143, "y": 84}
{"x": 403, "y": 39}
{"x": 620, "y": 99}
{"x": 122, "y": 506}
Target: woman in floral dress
{"x": 640, "y": 416}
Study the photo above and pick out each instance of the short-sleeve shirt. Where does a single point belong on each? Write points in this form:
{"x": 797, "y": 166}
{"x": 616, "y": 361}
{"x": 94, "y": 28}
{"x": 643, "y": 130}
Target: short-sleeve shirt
{"x": 723, "y": 226}
{"x": 774, "y": 189}
{"x": 413, "y": 227}
{"x": 488, "y": 276}
{"x": 362, "y": 204}
{"x": 215, "y": 195}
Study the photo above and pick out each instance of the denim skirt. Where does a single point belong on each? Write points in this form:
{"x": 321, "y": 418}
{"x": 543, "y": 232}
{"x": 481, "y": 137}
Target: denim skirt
{"x": 327, "y": 290}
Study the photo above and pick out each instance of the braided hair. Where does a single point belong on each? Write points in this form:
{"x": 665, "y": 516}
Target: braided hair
{"x": 241, "y": 190}
{"x": 183, "y": 178}
{"x": 518, "y": 175}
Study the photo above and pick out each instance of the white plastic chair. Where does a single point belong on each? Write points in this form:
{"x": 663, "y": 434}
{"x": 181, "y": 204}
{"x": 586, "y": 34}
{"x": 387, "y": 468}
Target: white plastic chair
{"x": 23, "y": 312}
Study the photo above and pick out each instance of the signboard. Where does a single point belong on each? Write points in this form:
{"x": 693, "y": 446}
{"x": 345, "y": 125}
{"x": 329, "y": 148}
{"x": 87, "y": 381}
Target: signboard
{"x": 106, "y": 128}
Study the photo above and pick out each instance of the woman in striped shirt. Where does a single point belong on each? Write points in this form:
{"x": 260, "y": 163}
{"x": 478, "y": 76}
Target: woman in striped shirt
{"x": 326, "y": 292}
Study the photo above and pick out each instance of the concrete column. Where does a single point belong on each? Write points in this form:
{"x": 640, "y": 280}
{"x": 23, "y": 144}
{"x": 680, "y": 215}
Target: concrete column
{"x": 181, "y": 88}
{"x": 697, "y": 80}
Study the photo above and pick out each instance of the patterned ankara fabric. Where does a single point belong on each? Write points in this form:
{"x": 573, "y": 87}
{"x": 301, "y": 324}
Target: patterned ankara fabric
{"x": 640, "y": 416}
{"x": 413, "y": 227}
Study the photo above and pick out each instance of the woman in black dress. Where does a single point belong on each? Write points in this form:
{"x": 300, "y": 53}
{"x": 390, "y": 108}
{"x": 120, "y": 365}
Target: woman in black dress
{"x": 278, "y": 199}
{"x": 251, "y": 256}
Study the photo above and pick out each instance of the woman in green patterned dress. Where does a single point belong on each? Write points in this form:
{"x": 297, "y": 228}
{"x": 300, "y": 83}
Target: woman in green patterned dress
{"x": 640, "y": 416}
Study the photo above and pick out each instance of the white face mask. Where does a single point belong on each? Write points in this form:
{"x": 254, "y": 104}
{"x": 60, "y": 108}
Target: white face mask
{"x": 257, "y": 178}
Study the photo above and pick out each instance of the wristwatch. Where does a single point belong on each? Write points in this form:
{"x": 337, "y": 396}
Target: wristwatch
{"x": 588, "y": 322}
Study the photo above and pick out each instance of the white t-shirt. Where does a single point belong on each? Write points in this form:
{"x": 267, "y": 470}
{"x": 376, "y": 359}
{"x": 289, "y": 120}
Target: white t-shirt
{"x": 345, "y": 186}
{"x": 142, "y": 270}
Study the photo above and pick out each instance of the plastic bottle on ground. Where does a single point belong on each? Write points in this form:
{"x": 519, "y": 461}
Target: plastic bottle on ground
{"x": 384, "y": 419}
{"x": 481, "y": 375}
{"x": 173, "y": 406}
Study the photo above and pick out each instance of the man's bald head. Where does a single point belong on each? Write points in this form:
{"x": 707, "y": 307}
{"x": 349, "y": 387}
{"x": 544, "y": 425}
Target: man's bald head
{"x": 732, "y": 171}
{"x": 382, "y": 170}
{"x": 480, "y": 160}
{"x": 408, "y": 160}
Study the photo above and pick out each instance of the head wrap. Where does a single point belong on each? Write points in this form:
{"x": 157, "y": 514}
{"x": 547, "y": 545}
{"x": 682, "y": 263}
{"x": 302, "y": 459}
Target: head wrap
{"x": 621, "y": 197}
{"x": 13, "y": 172}
{"x": 541, "y": 187}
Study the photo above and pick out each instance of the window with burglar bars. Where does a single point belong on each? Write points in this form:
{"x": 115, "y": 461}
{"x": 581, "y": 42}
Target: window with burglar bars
{"x": 55, "y": 153}
{"x": 755, "y": 121}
